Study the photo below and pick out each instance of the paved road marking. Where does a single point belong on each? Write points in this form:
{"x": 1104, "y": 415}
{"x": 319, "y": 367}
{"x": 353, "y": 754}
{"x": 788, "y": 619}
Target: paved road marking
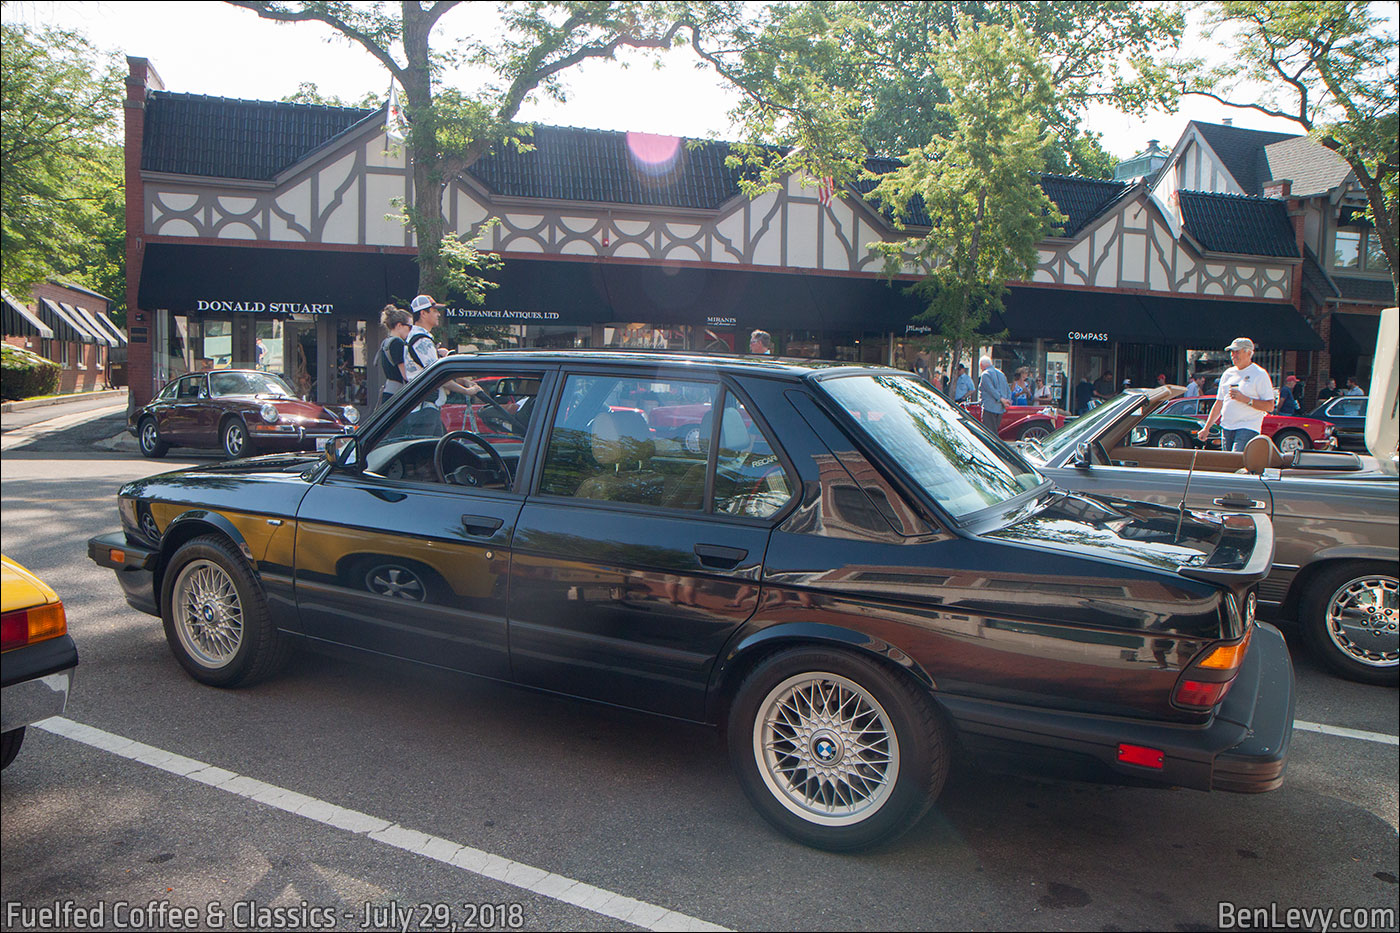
{"x": 1362, "y": 734}
{"x": 526, "y": 877}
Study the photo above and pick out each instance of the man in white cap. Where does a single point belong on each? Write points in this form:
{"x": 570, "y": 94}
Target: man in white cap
{"x": 1246, "y": 395}
{"x": 420, "y": 353}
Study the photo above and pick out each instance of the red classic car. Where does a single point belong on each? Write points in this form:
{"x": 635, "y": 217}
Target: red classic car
{"x": 241, "y": 411}
{"x": 1025, "y": 422}
{"x": 1290, "y": 433}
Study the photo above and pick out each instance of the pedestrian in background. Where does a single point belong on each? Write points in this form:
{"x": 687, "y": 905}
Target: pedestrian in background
{"x": 761, "y": 342}
{"x": 397, "y": 322}
{"x": 963, "y": 389}
{"x": 995, "y": 393}
{"x": 1198, "y": 383}
{"x": 1287, "y": 403}
{"x": 1329, "y": 391}
{"x": 1353, "y": 387}
{"x": 1246, "y": 395}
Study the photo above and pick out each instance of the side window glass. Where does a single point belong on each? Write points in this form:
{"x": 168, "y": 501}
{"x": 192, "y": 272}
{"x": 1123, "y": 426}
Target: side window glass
{"x": 749, "y": 477}
{"x": 638, "y": 441}
{"x": 484, "y": 417}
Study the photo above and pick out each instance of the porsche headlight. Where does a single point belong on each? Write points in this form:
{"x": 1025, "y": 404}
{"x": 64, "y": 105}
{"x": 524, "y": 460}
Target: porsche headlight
{"x": 269, "y": 413}
{"x": 351, "y": 413}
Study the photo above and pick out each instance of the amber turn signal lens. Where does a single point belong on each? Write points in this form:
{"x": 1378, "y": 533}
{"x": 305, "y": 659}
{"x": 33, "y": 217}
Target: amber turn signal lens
{"x": 116, "y": 556}
{"x": 27, "y": 626}
{"x": 1227, "y": 657}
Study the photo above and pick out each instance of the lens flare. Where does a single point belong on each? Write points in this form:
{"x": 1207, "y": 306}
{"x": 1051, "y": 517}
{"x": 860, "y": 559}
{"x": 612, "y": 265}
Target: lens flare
{"x": 653, "y": 154}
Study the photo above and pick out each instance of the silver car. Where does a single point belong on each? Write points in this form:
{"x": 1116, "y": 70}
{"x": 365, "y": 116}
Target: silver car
{"x": 1334, "y": 514}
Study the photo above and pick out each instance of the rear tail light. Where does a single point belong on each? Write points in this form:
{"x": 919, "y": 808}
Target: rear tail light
{"x": 26, "y": 626}
{"x": 1208, "y": 679}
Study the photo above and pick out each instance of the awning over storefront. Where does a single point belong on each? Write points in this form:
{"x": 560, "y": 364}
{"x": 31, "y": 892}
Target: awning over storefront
{"x": 1207, "y": 323}
{"x": 1064, "y": 315}
{"x": 90, "y": 322}
{"x": 21, "y": 322}
{"x": 1355, "y": 334}
{"x": 66, "y": 327}
{"x": 105, "y": 321}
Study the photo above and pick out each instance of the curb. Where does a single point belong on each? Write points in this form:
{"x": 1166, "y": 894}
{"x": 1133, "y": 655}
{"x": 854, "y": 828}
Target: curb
{"x": 60, "y": 399}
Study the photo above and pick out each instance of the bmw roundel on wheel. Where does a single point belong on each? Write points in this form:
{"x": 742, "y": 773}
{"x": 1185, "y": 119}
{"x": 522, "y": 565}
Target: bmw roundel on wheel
{"x": 841, "y": 570}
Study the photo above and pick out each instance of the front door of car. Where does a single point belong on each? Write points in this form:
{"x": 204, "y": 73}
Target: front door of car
{"x": 404, "y": 548}
{"x": 640, "y": 551}
{"x": 1228, "y": 492}
{"x": 179, "y": 422}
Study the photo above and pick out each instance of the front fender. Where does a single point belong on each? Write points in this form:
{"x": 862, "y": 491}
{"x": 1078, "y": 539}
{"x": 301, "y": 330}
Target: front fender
{"x": 195, "y": 522}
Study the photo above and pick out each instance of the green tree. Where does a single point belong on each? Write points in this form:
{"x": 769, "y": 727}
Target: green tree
{"x": 834, "y": 76}
{"x": 449, "y": 129}
{"x": 308, "y": 92}
{"x": 1328, "y": 66}
{"x": 979, "y": 181}
{"x": 61, "y": 198}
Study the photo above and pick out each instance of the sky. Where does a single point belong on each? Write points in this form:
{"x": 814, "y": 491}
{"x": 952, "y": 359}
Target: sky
{"x": 204, "y": 47}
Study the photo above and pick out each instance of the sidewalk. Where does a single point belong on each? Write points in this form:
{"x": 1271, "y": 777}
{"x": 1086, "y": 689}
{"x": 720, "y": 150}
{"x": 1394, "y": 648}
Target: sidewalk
{"x": 27, "y": 404}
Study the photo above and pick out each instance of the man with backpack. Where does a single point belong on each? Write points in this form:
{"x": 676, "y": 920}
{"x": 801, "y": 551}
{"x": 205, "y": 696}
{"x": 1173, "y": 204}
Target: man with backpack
{"x": 421, "y": 352}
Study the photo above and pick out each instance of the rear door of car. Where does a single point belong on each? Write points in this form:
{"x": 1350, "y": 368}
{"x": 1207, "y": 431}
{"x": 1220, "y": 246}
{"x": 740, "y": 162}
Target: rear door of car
{"x": 639, "y": 551}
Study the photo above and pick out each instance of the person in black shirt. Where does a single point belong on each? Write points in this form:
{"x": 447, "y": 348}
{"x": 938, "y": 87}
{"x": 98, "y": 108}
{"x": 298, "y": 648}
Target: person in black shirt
{"x": 1083, "y": 395}
{"x": 397, "y": 322}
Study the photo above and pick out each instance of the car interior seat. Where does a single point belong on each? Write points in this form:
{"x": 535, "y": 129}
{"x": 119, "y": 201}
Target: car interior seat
{"x": 622, "y": 447}
{"x": 1260, "y": 454}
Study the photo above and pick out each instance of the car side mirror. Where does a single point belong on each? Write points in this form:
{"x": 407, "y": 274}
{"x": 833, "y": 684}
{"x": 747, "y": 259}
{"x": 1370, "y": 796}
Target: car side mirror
{"x": 340, "y": 452}
{"x": 1083, "y": 456}
{"x": 1138, "y": 437}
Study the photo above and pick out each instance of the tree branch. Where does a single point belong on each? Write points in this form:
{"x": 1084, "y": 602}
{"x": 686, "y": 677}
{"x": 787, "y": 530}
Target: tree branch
{"x": 266, "y": 11}
{"x": 1261, "y": 109}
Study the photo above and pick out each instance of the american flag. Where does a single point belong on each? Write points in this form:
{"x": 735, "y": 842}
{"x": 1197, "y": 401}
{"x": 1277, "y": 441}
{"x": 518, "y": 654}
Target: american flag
{"x": 826, "y": 190}
{"x": 395, "y": 123}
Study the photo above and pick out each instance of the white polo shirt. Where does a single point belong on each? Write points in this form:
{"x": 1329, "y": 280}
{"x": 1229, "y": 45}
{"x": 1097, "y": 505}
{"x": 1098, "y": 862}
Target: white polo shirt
{"x": 1253, "y": 381}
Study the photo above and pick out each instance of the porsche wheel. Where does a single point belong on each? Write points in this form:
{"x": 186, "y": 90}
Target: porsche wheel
{"x": 235, "y": 439}
{"x": 148, "y": 436}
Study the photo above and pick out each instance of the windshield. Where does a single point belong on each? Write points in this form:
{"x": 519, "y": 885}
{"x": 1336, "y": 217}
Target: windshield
{"x": 1086, "y": 425}
{"x": 932, "y": 441}
{"x": 221, "y": 384}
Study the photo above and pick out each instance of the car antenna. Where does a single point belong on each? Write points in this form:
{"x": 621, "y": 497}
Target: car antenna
{"x": 1181, "y": 508}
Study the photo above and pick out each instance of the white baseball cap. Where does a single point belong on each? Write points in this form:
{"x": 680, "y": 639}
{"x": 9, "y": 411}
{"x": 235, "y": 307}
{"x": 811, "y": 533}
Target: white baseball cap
{"x": 423, "y": 303}
{"x": 1239, "y": 343}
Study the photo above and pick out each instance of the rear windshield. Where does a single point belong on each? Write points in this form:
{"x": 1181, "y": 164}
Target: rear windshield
{"x": 963, "y": 470}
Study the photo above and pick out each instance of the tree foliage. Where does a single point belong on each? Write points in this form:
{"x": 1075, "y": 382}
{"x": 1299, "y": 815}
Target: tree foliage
{"x": 538, "y": 43}
{"x": 61, "y": 198}
{"x": 1328, "y": 66}
{"x": 836, "y": 78}
{"x": 979, "y": 181}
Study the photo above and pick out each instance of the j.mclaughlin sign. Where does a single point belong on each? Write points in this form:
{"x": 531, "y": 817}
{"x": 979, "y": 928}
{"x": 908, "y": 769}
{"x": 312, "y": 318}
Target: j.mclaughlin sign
{"x": 264, "y": 307}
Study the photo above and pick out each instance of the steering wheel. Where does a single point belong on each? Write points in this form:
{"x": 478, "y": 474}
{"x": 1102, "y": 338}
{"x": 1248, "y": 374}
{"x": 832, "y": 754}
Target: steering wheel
{"x": 498, "y": 465}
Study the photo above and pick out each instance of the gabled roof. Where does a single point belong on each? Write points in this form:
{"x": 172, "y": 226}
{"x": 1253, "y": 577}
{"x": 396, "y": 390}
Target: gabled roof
{"x": 1315, "y": 277}
{"x": 1081, "y": 200}
{"x": 1242, "y": 151}
{"x": 191, "y": 134}
{"x": 571, "y": 164}
{"x": 1233, "y": 223}
{"x": 1311, "y": 166}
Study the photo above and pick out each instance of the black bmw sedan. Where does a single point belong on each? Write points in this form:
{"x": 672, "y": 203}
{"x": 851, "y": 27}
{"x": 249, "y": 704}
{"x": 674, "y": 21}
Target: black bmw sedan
{"x": 831, "y": 563}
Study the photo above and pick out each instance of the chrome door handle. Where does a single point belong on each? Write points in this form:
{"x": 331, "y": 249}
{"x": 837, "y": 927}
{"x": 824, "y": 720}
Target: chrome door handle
{"x": 1227, "y": 502}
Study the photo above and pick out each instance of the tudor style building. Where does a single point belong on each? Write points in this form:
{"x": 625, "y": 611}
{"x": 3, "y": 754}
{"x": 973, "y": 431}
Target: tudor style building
{"x": 263, "y": 234}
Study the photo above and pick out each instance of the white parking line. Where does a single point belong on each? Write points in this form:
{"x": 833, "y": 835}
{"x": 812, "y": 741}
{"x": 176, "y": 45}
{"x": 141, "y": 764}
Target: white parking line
{"x": 517, "y": 874}
{"x": 1362, "y": 734}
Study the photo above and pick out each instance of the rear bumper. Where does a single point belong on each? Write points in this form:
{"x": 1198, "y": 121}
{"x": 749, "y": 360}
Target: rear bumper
{"x": 135, "y": 566}
{"x": 1243, "y": 748}
{"x": 35, "y": 680}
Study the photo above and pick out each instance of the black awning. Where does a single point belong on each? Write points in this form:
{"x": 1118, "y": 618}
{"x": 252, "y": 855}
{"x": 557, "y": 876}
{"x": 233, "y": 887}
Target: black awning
{"x": 185, "y": 278}
{"x": 89, "y": 322}
{"x": 21, "y": 322}
{"x": 1355, "y": 334}
{"x": 1064, "y": 315}
{"x": 1202, "y": 323}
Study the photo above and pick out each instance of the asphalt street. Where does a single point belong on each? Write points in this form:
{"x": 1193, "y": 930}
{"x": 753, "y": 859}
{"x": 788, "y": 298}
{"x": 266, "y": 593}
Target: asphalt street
{"x": 355, "y": 793}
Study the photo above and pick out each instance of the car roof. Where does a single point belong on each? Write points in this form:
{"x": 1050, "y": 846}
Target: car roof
{"x": 729, "y": 362}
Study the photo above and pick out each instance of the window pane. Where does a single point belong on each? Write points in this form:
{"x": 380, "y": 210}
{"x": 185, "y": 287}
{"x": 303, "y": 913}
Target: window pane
{"x": 639, "y": 441}
{"x": 1375, "y": 256}
{"x": 1346, "y": 252}
{"x": 749, "y": 478}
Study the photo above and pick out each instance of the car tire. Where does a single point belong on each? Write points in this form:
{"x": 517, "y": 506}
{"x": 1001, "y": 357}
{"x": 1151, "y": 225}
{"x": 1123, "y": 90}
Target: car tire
{"x": 1035, "y": 432}
{"x": 9, "y": 746}
{"x": 1365, "y": 595}
{"x": 1173, "y": 439}
{"x": 778, "y": 740}
{"x": 233, "y": 436}
{"x": 216, "y": 618}
{"x": 148, "y": 437}
{"x": 1291, "y": 441}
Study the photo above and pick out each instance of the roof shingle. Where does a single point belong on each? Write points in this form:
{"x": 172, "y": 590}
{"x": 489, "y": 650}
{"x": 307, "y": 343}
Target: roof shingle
{"x": 1233, "y": 223}
{"x": 1242, "y": 151}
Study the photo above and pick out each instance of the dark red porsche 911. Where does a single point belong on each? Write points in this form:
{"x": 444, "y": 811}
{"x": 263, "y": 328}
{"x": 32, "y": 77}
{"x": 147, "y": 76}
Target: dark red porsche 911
{"x": 241, "y": 411}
